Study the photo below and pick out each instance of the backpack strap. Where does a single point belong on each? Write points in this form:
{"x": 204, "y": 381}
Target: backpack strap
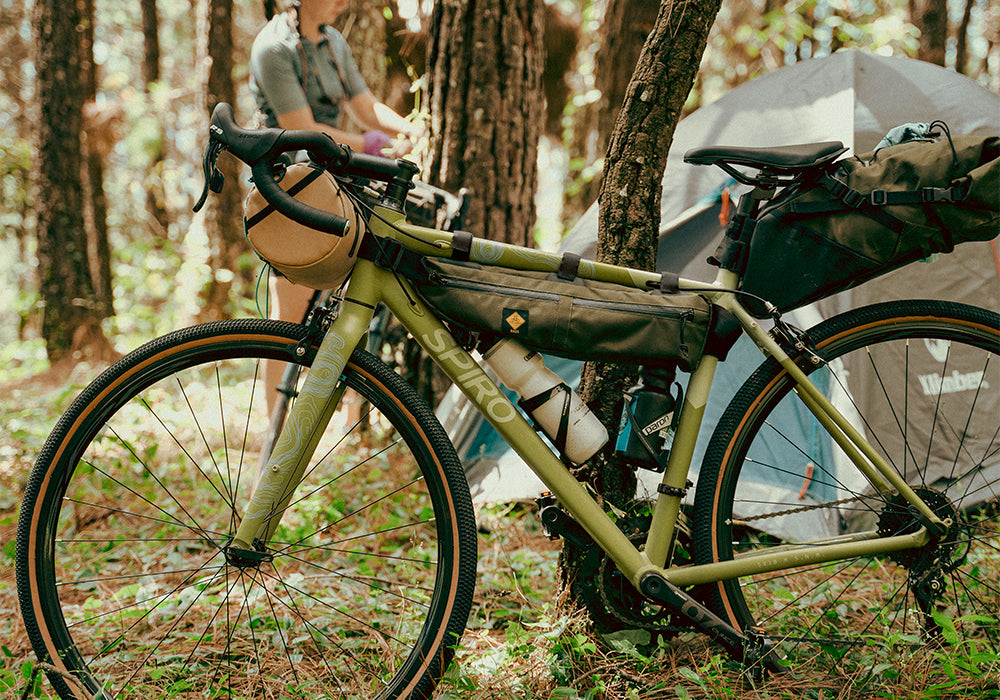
{"x": 883, "y": 198}
{"x": 925, "y": 195}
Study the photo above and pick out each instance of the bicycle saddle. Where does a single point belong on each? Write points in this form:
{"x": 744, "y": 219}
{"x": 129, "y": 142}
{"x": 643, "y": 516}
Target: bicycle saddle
{"x": 781, "y": 160}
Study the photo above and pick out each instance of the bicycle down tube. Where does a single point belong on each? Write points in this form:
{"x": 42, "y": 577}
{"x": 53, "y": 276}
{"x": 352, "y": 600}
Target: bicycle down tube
{"x": 370, "y": 284}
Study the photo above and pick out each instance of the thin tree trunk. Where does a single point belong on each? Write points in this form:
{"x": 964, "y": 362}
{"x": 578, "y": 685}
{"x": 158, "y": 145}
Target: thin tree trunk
{"x": 95, "y": 204}
{"x": 962, "y": 45}
{"x": 623, "y": 32}
{"x": 486, "y": 102}
{"x": 155, "y": 195}
{"x": 630, "y": 206}
{"x": 224, "y": 217}
{"x": 931, "y": 17}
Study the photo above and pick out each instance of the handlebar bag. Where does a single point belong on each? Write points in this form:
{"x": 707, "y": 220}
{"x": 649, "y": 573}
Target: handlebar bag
{"x": 574, "y": 318}
{"x": 304, "y": 255}
{"x": 872, "y": 214}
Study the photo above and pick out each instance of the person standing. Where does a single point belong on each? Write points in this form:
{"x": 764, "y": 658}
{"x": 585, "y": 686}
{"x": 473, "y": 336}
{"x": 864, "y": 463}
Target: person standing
{"x": 303, "y": 76}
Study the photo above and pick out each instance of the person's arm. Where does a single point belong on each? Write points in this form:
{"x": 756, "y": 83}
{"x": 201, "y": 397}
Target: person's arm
{"x": 303, "y": 119}
{"x": 369, "y": 113}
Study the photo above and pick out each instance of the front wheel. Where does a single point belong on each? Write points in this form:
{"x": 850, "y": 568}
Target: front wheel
{"x": 125, "y": 583}
{"x": 920, "y": 380}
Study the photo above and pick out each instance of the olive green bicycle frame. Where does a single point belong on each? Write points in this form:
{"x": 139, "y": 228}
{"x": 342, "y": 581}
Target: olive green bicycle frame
{"x": 322, "y": 389}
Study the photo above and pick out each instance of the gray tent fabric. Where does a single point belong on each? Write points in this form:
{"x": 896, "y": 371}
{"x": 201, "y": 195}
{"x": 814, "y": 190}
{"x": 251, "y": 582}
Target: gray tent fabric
{"x": 852, "y": 96}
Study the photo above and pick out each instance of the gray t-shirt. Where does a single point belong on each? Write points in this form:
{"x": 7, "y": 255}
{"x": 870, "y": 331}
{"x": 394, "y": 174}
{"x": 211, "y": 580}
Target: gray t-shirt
{"x": 281, "y": 84}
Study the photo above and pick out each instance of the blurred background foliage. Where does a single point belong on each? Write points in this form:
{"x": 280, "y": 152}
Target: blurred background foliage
{"x": 150, "y": 133}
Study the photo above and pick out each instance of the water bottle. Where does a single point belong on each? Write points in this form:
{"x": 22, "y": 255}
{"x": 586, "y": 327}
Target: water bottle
{"x": 554, "y": 406}
{"x": 648, "y": 421}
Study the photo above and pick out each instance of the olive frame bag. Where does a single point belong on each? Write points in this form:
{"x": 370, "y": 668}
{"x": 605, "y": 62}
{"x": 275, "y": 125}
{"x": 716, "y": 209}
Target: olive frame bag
{"x": 871, "y": 214}
{"x": 568, "y": 316}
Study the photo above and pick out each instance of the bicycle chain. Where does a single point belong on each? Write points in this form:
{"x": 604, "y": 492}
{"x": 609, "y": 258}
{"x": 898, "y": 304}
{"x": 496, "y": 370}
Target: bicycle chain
{"x": 801, "y": 509}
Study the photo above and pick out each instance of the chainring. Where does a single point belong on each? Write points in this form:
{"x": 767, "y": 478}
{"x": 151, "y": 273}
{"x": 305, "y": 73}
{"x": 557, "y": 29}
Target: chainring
{"x": 612, "y": 601}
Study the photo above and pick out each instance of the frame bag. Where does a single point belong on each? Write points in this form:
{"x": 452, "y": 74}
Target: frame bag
{"x": 567, "y": 316}
{"x": 872, "y": 214}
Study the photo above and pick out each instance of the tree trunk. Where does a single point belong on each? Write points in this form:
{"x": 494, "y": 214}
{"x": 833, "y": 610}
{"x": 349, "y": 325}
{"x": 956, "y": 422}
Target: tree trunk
{"x": 155, "y": 195}
{"x": 931, "y": 17}
{"x": 623, "y": 32}
{"x": 486, "y": 105}
{"x": 150, "y": 43}
{"x": 364, "y": 28}
{"x": 71, "y": 318}
{"x": 962, "y": 45}
{"x": 225, "y": 214}
{"x": 630, "y": 205}
{"x": 95, "y": 204}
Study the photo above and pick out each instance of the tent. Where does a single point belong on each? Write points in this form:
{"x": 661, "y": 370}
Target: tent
{"x": 851, "y": 96}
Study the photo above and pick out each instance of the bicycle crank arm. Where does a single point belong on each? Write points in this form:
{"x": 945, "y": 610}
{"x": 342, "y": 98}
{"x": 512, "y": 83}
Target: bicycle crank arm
{"x": 755, "y": 651}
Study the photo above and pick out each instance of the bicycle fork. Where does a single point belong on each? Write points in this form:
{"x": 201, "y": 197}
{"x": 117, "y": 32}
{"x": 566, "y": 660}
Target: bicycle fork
{"x": 307, "y": 420}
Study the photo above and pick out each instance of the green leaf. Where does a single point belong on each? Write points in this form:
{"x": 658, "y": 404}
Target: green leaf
{"x": 947, "y": 627}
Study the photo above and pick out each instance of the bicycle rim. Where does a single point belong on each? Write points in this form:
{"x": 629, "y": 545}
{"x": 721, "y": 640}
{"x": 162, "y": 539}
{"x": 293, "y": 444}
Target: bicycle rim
{"x": 919, "y": 379}
{"x": 125, "y": 584}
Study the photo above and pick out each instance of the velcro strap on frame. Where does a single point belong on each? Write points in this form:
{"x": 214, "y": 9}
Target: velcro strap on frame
{"x": 669, "y": 283}
{"x": 569, "y": 266}
{"x": 293, "y": 190}
{"x": 461, "y": 245}
{"x": 390, "y": 254}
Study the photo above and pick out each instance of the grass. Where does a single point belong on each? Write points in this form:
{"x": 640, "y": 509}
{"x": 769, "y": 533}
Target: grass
{"x": 523, "y": 642}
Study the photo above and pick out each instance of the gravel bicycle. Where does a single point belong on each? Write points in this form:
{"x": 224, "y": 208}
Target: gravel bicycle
{"x": 144, "y": 568}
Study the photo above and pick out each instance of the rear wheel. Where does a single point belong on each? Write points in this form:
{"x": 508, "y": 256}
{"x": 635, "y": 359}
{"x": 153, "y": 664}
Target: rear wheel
{"x": 125, "y": 584}
{"x": 921, "y": 380}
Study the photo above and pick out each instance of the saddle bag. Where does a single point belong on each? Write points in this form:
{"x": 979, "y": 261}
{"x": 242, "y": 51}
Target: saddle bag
{"x": 872, "y": 214}
{"x": 570, "y": 317}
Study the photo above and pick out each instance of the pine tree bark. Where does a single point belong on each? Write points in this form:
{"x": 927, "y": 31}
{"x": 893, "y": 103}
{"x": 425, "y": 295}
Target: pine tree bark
{"x": 486, "y": 105}
{"x": 225, "y": 211}
{"x": 629, "y": 216}
{"x": 71, "y": 317}
{"x": 364, "y": 28}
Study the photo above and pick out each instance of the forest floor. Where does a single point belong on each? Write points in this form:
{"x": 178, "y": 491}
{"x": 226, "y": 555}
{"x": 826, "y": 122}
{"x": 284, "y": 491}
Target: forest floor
{"x": 522, "y": 641}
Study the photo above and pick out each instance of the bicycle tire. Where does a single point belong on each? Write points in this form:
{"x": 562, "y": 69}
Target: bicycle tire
{"x": 838, "y": 607}
{"x": 125, "y": 587}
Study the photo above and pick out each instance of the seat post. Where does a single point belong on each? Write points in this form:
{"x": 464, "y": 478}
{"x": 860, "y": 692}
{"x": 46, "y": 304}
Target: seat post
{"x": 733, "y": 252}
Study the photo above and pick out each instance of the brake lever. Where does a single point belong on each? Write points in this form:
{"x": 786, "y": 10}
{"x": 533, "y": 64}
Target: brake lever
{"x": 214, "y": 179}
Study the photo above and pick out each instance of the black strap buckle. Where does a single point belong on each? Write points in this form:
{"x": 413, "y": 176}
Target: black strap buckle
{"x": 940, "y": 194}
